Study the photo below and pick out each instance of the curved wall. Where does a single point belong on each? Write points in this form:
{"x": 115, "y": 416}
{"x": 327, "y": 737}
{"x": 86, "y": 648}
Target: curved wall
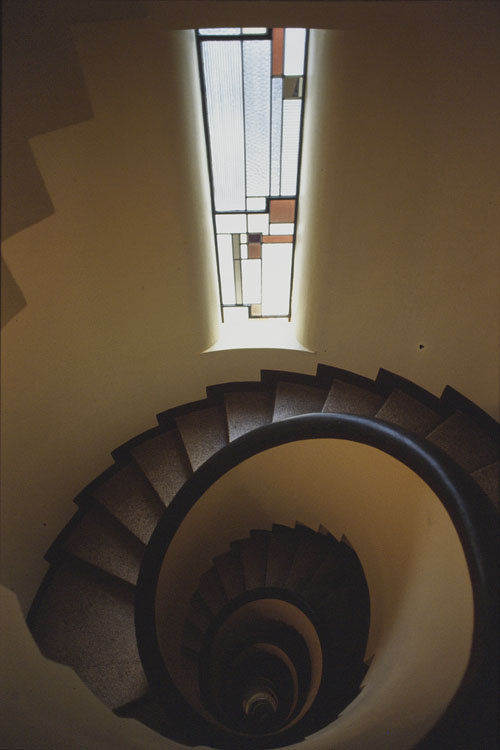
{"x": 420, "y": 591}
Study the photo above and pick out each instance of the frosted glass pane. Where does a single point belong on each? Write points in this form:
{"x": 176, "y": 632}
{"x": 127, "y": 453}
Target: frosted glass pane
{"x": 224, "y": 98}
{"x": 295, "y": 47}
{"x": 231, "y": 223}
{"x": 276, "y": 278}
{"x": 292, "y": 109}
{"x": 254, "y": 31}
{"x": 235, "y": 315}
{"x": 256, "y": 204}
{"x": 281, "y": 229}
{"x": 244, "y": 251}
{"x": 257, "y": 91}
{"x": 277, "y": 96}
{"x": 258, "y": 223}
{"x": 225, "y": 253}
{"x": 219, "y": 32}
{"x": 250, "y": 275}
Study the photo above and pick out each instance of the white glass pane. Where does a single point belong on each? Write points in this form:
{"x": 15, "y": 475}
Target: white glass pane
{"x": 276, "y": 278}
{"x": 295, "y": 47}
{"x": 250, "y": 275}
{"x": 256, "y": 204}
{"x": 225, "y": 252}
{"x": 292, "y": 109}
{"x": 243, "y": 237}
{"x": 235, "y": 315}
{"x": 224, "y": 97}
{"x": 281, "y": 228}
{"x": 254, "y": 31}
{"x": 219, "y": 32}
{"x": 244, "y": 251}
{"x": 277, "y": 96}
{"x": 231, "y": 223}
{"x": 257, "y": 90}
{"x": 258, "y": 223}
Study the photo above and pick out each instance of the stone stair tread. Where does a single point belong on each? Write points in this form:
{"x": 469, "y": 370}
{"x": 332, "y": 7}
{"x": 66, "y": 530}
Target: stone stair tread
{"x": 99, "y": 539}
{"x": 253, "y": 554}
{"x": 128, "y": 496}
{"x": 487, "y": 478}
{"x": 212, "y": 591}
{"x": 337, "y": 564}
{"x": 246, "y": 411}
{"x": 199, "y": 612}
{"x": 164, "y": 462}
{"x": 311, "y": 551}
{"x": 346, "y": 398}
{"x": 85, "y": 620}
{"x": 150, "y": 712}
{"x": 402, "y": 409}
{"x": 230, "y": 572}
{"x": 203, "y": 432}
{"x": 192, "y": 637}
{"x": 293, "y": 399}
{"x": 281, "y": 546}
{"x": 465, "y": 442}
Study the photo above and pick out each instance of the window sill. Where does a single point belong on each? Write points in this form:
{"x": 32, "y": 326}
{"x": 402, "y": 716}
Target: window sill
{"x": 257, "y": 334}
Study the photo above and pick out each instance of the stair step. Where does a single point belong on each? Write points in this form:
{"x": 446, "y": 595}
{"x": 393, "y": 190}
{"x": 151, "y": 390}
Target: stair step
{"x": 487, "y": 479}
{"x": 310, "y": 553}
{"x": 85, "y": 620}
{"x": 192, "y": 637}
{"x": 149, "y": 711}
{"x": 253, "y": 556}
{"x": 129, "y": 497}
{"x": 99, "y": 539}
{"x": 293, "y": 399}
{"x": 203, "y": 432}
{"x": 164, "y": 461}
{"x": 230, "y": 570}
{"x": 401, "y": 409}
{"x": 346, "y": 398}
{"x": 340, "y": 561}
{"x": 212, "y": 591}
{"x": 465, "y": 442}
{"x": 199, "y": 612}
{"x": 247, "y": 411}
{"x": 281, "y": 546}
{"x": 346, "y": 610}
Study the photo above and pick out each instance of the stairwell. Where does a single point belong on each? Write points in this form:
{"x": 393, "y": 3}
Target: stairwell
{"x": 83, "y": 614}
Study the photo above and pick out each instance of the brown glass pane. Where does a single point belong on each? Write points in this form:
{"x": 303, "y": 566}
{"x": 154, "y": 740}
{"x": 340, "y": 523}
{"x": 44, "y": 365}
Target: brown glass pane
{"x": 277, "y": 52}
{"x": 254, "y": 250}
{"x": 282, "y": 211}
{"x": 278, "y": 238}
{"x": 255, "y": 311}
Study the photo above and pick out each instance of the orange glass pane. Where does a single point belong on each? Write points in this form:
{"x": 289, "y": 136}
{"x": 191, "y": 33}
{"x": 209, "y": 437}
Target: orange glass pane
{"x": 282, "y": 211}
{"x": 254, "y": 250}
{"x": 278, "y": 238}
{"x": 277, "y": 52}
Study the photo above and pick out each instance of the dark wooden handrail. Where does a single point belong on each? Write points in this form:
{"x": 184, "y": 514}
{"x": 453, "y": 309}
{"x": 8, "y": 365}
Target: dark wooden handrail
{"x": 469, "y": 715}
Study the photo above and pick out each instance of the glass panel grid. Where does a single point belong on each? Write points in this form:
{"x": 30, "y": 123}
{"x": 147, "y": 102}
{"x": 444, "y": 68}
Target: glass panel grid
{"x": 253, "y": 92}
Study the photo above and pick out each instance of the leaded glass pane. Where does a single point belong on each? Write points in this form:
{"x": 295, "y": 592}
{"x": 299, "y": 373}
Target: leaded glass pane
{"x": 295, "y": 49}
{"x": 277, "y": 104}
{"x": 231, "y": 223}
{"x": 276, "y": 278}
{"x": 226, "y": 272}
{"x": 219, "y": 32}
{"x": 258, "y": 223}
{"x": 257, "y": 96}
{"x": 224, "y": 100}
{"x": 250, "y": 274}
{"x": 292, "y": 111}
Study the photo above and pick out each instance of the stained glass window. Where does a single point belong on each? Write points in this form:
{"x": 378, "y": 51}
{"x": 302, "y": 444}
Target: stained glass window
{"x": 253, "y": 98}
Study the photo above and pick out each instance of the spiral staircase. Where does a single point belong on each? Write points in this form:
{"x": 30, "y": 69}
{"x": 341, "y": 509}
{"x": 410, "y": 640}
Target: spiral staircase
{"x": 273, "y": 644}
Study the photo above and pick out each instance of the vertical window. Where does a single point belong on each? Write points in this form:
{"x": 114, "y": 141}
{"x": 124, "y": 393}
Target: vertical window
{"x": 253, "y": 99}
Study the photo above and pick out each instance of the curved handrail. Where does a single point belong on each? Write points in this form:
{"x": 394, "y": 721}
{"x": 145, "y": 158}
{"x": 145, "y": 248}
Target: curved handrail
{"x": 469, "y": 509}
